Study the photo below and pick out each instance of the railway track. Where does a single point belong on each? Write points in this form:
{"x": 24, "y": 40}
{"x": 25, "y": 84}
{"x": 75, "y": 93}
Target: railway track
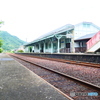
{"x": 67, "y": 61}
{"x": 69, "y": 85}
{"x": 89, "y": 74}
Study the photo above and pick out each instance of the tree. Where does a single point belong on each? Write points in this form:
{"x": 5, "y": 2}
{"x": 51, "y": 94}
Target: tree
{"x": 1, "y": 50}
{"x": 1, "y": 22}
{"x": 1, "y": 43}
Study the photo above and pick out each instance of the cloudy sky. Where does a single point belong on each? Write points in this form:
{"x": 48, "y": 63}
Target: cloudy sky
{"x": 29, "y": 19}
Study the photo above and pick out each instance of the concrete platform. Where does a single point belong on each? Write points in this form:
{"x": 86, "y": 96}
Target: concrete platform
{"x": 92, "y": 58}
{"x": 19, "y": 83}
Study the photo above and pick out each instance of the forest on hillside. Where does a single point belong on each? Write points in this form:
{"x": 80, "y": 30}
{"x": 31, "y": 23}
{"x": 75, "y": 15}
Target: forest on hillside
{"x": 10, "y": 42}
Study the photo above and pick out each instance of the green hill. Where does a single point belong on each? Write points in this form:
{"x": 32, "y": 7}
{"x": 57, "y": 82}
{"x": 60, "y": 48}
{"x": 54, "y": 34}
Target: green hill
{"x": 9, "y": 41}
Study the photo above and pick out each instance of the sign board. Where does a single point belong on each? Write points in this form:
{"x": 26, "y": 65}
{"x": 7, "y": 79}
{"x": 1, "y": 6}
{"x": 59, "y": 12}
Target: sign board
{"x": 69, "y": 36}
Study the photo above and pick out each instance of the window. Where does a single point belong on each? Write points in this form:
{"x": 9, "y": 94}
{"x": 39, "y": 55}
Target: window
{"x": 86, "y": 25}
{"x": 80, "y": 44}
{"x": 46, "y": 45}
{"x": 49, "y": 45}
{"x": 37, "y": 46}
{"x": 67, "y": 45}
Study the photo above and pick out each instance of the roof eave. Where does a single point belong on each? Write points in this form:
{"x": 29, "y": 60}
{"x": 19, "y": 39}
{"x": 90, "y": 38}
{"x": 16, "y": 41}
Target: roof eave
{"x": 53, "y": 33}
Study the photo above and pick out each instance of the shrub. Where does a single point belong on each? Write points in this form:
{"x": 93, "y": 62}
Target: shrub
{"x": 1, "y": 50}
{"x": 20, "y": 51}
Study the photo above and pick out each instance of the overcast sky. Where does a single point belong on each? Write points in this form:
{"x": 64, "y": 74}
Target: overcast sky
{"x": 33, "y": 18}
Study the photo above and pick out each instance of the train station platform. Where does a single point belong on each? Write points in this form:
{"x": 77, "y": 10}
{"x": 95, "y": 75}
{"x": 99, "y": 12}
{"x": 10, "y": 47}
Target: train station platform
{"x": 19, "y": 83}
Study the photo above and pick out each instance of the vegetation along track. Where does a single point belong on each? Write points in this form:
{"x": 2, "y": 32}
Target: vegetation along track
{"x": 63, "y": 82}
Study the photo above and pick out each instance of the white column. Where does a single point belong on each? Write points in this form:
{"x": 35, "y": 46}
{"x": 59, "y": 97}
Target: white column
{"x": 39, "y": 47}
{"x": 34, "y": 47}
{"x": 58, "y": 46}
{"x": 59, "y": 37}
{"x": 71, "y": 36}
{"x": 28, "y": 49}
{"x": 44, "y": 47}
{"x": 51, "y": 47}
{"x": 72, "y": 43}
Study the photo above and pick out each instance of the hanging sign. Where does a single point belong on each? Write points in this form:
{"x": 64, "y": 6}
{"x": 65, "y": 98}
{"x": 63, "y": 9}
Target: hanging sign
{"x": 69, "y": 36}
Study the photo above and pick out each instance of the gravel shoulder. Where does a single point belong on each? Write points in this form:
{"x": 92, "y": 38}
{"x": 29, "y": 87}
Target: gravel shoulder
{"x": 89, "y": 74}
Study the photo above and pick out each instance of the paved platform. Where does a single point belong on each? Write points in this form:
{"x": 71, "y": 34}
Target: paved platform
{"x": 19, "y": 83}
{"x": 92, "y": 58}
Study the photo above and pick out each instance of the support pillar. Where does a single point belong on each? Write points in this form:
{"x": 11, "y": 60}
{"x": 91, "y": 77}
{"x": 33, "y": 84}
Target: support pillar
{"x": 34, "y": 47}
{"x": 51, "y": 47}
{"x": 72, "y": 43}
{"x": 44, "y": 47}
{"x": 58, "y": 37}
{"x": 58, "y": 46}
{"x": 39, "y": 47}
{"x": 71, "y": 36}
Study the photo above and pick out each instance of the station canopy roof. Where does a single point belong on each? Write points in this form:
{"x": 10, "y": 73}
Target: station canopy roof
{"x": 87, "y": 36}
{"x": 62, "y": 29}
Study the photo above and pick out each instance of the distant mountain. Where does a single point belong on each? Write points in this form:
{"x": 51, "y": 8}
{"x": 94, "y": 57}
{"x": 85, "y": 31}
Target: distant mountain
{"x": 9, "y": 41}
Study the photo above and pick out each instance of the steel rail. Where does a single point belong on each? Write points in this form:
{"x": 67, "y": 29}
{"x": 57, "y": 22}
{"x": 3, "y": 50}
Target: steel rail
{"x": 71, "y": 77}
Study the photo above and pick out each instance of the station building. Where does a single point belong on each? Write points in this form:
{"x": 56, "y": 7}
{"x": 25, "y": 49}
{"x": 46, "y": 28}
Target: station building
{"x": 67, "y": 39}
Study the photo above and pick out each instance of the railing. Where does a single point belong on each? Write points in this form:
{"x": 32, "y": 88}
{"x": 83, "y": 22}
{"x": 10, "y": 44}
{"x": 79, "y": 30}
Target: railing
{"x": 80, "y": 49}
{"x": 93, "y": 40}
{"x": 77, "y": 50}
{"x": 65, "y": 50}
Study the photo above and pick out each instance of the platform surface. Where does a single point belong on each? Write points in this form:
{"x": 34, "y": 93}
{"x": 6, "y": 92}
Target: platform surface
{"x": 19, "y": 83}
